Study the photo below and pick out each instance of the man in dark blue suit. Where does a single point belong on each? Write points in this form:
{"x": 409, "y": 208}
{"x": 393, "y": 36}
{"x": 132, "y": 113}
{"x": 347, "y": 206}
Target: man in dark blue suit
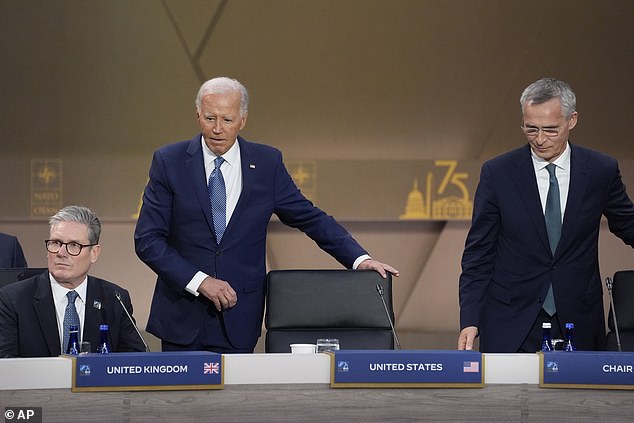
{"x": 210, "y": 259}
{"x": 531, "y": 255}
{"x": 11, "y": 254}
{"x": 33, "y": 311}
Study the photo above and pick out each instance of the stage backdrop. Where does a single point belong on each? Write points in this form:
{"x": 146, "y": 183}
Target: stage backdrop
{"x": 384, "y": 112}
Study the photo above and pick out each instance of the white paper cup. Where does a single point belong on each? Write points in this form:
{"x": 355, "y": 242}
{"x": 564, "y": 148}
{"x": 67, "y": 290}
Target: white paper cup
{"x": 303, "y": 348}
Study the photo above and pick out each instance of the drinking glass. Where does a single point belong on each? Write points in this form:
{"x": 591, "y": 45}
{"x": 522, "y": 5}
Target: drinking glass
{"x": 327, "y": 344}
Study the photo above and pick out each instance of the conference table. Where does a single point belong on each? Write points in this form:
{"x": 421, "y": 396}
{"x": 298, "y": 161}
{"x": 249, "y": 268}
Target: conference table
{"x": 296, "y": 387}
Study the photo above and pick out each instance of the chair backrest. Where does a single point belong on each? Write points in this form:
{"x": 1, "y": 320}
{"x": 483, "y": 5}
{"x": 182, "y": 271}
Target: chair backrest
{"x": 10, "y": 275}
{"x": 305, "y": 305}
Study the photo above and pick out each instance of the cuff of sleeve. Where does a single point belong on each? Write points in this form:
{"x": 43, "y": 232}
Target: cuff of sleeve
{"x": 192, "y": 286}
{"x": 358, "y": 261}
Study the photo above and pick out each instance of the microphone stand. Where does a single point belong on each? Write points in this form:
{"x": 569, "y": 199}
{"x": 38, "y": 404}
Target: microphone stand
{"x": 118, "y": 295}
{"x": 608, "y": 284}
{"x": 379, "y": 289}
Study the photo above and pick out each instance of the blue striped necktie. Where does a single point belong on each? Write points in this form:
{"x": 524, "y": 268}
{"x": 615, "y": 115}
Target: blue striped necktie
{"x": 552, "y": 215}
{"x": 70, "y": 318}
{"x": 218, "y": 198}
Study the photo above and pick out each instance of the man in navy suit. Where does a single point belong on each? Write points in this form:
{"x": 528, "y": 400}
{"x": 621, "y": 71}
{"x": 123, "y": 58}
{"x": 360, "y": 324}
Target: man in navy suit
{"x": 11, "y": 254}
{"x": 33, "y": 311}
{"x": 210, "y": 260}
{"x": 520, "y": 267}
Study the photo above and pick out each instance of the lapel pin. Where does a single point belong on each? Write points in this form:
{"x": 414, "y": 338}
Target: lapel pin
{"x": 97, "y": 304}
{"x": 252, "y": 166}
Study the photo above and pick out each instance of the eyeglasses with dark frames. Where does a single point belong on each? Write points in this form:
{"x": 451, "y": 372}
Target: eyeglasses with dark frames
{"x": 73, "y": 248}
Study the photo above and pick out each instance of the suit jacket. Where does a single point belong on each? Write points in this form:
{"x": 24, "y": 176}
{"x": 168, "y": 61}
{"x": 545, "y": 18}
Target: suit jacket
{"x": 507, "y": 265}
{"x": 28, "y": 322}
{"x": 11, "y": 254}
{"x": 175, "y": 237}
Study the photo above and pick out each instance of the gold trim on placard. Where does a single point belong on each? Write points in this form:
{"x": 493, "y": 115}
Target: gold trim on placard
{"x": 542, "y": 370}
{"x": 333, "y": 384}
{"x": 74, "y": 387}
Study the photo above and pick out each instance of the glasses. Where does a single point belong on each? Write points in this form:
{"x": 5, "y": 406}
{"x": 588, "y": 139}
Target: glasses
{"x": 73, "y": 248}
{"x": 532, "y": 132}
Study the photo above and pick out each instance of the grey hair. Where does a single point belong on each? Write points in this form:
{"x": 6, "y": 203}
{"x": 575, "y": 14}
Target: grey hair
{"x": 546, "y": 89}
{"x": 222, "y": 85}
{"x": 79, "y": 214}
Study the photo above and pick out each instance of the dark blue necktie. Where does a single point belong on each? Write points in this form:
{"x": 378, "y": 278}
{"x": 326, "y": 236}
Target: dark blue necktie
{"x": 218, "y": 197}
{"x": 552, "y": 215}
{"x": 70, "y": 318}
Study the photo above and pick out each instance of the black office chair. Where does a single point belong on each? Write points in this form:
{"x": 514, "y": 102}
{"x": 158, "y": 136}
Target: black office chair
{"x": 10, "y": 275}
{"x": 623, "y": 294}
{"x": 305, "y": 305}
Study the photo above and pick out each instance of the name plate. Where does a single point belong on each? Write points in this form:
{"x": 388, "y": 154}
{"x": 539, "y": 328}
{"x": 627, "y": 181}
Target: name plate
{"x": 587, "y": 369}
{"x": 406, "y": 368}
{"x": 148, "y": 371}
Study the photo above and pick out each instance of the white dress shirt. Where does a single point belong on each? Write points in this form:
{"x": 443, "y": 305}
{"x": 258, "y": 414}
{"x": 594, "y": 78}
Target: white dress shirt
{"x": 61, "y": 301}
{"x": 562, "y": 171}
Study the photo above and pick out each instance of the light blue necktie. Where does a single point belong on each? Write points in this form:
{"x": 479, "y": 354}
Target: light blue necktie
{"x": 70, "y": 318}
{"x": 218, "y": 197}
{"x": 552, "y": 215}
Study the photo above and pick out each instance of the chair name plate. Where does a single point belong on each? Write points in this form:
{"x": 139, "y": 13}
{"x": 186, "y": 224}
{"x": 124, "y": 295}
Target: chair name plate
{"x": 587, "y": 369}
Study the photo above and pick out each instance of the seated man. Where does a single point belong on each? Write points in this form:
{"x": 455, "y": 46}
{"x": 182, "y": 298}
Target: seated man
{"x": 35, "y": 314}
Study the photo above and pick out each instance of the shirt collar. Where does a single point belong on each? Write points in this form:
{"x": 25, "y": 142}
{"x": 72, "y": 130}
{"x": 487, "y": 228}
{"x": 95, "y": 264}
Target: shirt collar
{"x": 562, "y": 162}
{"x": 59, "y": 292}
{"x": 230, "y": 156}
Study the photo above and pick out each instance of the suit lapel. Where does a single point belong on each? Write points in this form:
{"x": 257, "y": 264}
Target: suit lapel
{"x": 45, "y": 310}
{"x": 93, "y": 312}
{"x": 248, "y": 165}
{"x": 196, "y": 170}
{"x": 526, "y": 185}
{"x": 579, "y": 179}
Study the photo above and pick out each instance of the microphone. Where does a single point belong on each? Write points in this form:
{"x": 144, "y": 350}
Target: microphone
{"x": 379, "y": 289}
{"x": 608, "y": 284}
{"x": 118, "y": 295}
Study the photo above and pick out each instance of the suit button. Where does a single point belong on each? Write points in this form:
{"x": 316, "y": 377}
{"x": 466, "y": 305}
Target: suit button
{"x": 218, "y": 252}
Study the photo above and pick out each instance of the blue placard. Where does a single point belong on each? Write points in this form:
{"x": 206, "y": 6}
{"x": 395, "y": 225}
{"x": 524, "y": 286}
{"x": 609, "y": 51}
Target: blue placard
{"x": 388, "y": 368}
{"x": 587, "y": 369}
{"x": 137, "y": 371}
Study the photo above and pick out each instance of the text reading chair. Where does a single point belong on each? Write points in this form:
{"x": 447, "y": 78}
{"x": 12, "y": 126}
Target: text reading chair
{"x": 623, "y": 295}
{"x": 305, "y": 305}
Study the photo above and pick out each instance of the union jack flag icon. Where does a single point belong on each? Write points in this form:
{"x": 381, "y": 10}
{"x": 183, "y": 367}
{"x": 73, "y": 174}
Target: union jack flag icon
{"x": 211, "y": 368}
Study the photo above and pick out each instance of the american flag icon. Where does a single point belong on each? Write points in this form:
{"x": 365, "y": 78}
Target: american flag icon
{"x": 471, "y": 367}
{"x": 211, "y": 368}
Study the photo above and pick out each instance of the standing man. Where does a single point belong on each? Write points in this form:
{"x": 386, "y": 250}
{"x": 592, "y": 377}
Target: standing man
{"x": 531, "y": 255}
{"x": 11, "y": 254}
{"x": 202, "y": 228}
{"x": 35, "y": 313}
